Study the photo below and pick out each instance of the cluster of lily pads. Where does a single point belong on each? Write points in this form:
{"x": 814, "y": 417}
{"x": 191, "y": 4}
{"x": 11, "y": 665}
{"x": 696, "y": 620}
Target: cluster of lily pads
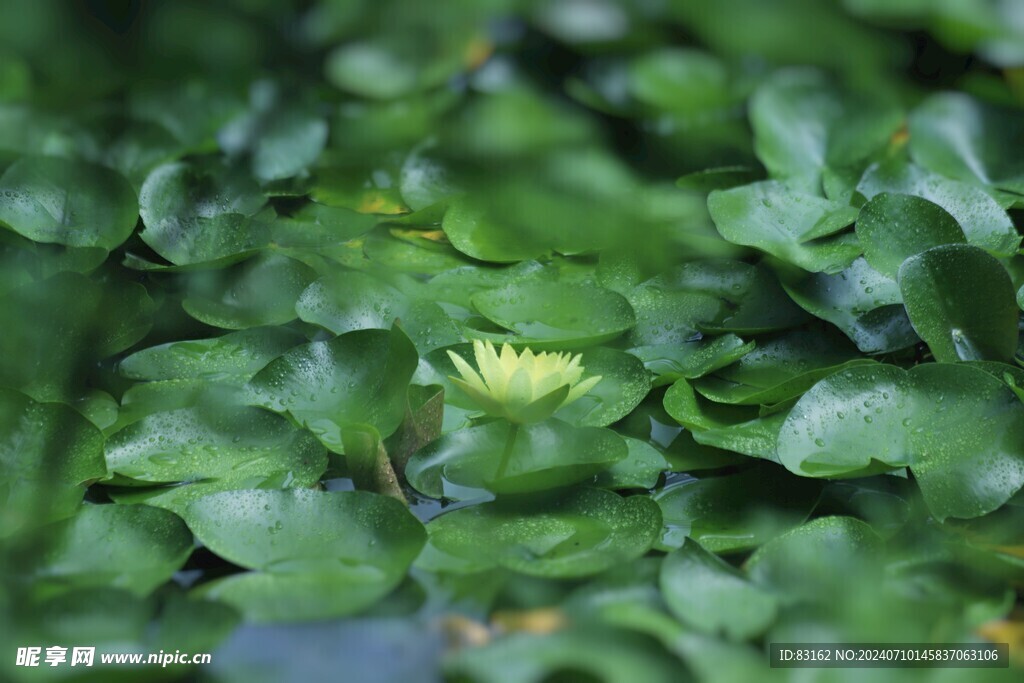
{"x": 504, "y": 340}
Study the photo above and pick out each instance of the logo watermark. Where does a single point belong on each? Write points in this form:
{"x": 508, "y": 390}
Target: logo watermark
{"x": 57, "y": 655}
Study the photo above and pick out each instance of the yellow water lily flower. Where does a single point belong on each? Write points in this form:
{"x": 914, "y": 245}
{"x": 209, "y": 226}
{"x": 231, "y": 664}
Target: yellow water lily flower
{"x": 525, "y": 387}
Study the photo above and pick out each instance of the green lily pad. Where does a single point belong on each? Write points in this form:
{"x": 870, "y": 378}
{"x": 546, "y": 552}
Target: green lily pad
{"x": 356, "y": 378}
{"x": 957, "y": 428}
{"x": 894, "y": 227}
{"x": 681, "y": 81}
{"x": 982, "y": 219}
{"x": 412, "y": 251}
{"x": 49, "y": 452}
{"x": 735, "y": 512}
{"x": 729, "y": 427}
{"x": 195, "y": 213}
{"x": 281, "y": 138}
{"x": 317, "y": 554}
{"x": 543, "y": 455}
{"x": 233, "y": 357}
{"x": 261, "y": 291}
{"x": 798, "y": 228}
{"x": 860, "y": 301}
{"x": 351, "y": 300}
{"x": 667, "y": 316}
{"x": 49, "y": 199}
{"x": 199, "y": 444}
{"x": 593, "y": 654}
{"x": 803, "y": 124}
{"x": 712, "y": 596}
{"x": 814, "y": 562}
{"x": 85, "y": 320}
{"x": 751, "y": 300}
{"x": 640, "y": 469}
{"x": 578, "y": 533}
{"x": 780, "y": 368}
{"x": 961, "y": 301}
{"x": 966, "y": 139}
{"x": 624, "y": 383}
{"x": 554, "y": 315}
{"x": 315, "y": 226}
{"x": 473, "y": 230}
{"x": 133, "y": 547}
{"x": 693, "y": 359}
{"x": 721, "y": 178}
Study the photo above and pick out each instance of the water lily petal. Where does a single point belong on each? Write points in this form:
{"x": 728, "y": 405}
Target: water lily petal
{"x": 468, "y": 373}
{"x": 582, "y": 388}
{"x": 520, "y": 390}
{"x": 483, "y": 399}
{"x": 545, "y": 406}
{"x": 491, "y": 368}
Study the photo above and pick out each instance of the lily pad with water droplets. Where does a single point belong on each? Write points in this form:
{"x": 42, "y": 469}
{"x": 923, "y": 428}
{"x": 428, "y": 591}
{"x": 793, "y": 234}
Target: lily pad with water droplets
{"x": 958, "y": 429}
{"x": 134, "y": 547}
{"x": 346, "y": 301}
{"x": 554, "y": 315}
{"x": 982, "y": 218}
{"x": 261, "y": 291}
{"x": 781, "y": 367}
{"x": 235, "y": 356}
{"x": 894, "y": 227}
{"x": 541, "y": 456}
{"x": 802, "y": 229}
{"x": 712, "y": 596}
{"x": 578, "y": 533}
{"x": 356, "y": 378}
{"x": 201, "y": 212}
{"x": 78, "y": 204}
{"x": 866, "y": 305}
{"x": 961, "y": 301}
{"x": 172, "y": 457}
{"x": 48, "y": 453}
{"x": 735, "y": 512}
{"x": 316, "y": 554}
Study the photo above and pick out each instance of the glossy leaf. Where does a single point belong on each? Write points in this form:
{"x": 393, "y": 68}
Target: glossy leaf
{"x": 961, "y": 301}
{"x": 894, "y": 227}
{"x": 49, "y": 453}
{"x": 624, "y": 383}
{"x": 351, "y": 300}
{"x": 780, "y": 368}
{"x": 735, "y": 512}
{"x": 134, "y": 547}
{"x": 732, "y": 428}
{"x": 712, "y": 596}
{"x": 261, "y": 291}
{"x": 692, "y": 359}
{"x": 957, "y": 428}
{"x": 982, "y": 219}
{"x": 356, "y": 378}
{"x": 201, "y": 444}
{"x": 235, "y": 356}
{"x": 860, "y": 301}
{"x": 799, "y": 228}
{"x": 74, "y": 203}
{"x": 578, "y": 533}
{"x": 196, "y": 213}
{"x": 543, "y": 456}
{"x": 966, "y": 139}
{"x": 555, "y": 315}
{"x": 319, "y": 554}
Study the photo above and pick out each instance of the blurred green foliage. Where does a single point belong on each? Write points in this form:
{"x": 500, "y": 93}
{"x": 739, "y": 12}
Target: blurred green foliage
{"x": 238, "y": 241}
